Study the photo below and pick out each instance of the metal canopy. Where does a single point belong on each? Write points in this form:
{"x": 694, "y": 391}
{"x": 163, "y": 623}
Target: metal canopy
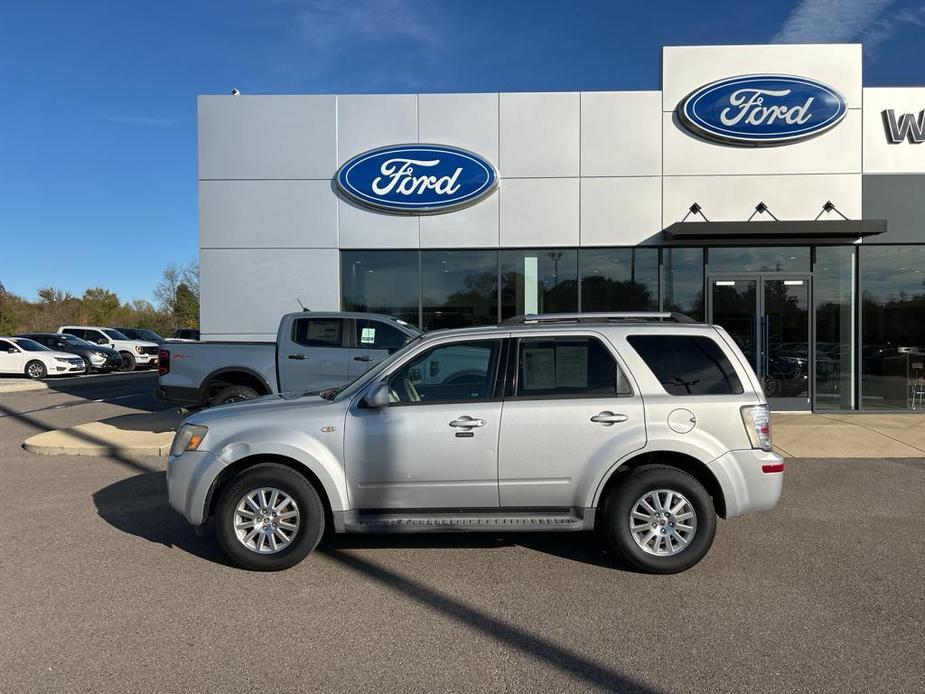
{"x": 802, "y": 232}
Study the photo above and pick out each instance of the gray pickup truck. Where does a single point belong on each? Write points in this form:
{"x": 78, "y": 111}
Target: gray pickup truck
{"x": 313, "y": 351}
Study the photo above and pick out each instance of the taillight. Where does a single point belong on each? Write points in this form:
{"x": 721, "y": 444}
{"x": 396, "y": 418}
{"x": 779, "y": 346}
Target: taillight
{"x": 757, "y": 421}
{"x": 163, "y": 362}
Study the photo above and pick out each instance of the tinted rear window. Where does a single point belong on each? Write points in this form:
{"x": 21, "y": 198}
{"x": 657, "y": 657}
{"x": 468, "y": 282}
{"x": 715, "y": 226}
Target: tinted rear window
{"x": 687, "y": 364}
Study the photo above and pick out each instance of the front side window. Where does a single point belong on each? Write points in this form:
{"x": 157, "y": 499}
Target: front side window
{"x": 115, "y": 334}
{"x": 687, "y": 364}
{"x": 318, "y": 332}
{"x": 456, "y": 372}
{"x": 374, "y": 334}
{"x": 568, "y": 367}
{"x": 97, "y": 337}
{"x": 7, "y": 346}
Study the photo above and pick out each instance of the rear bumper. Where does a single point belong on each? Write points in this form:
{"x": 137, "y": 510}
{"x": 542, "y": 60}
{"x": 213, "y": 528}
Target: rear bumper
{"x": 745, "y": 486}
{"x": 189, "y": 396}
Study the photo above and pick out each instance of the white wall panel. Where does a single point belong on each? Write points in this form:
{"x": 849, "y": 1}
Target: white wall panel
{"x": 469, "y": 121}
{"x": 267, "y": 137}
{"x": 620, "y": 211}
{"x": 539, "y": 212}
{"x": 540, "y": 134}
{"x": 733, "y": 198}
{"x": 267, "y": 214}
{"x": 687, "y": 68}
{"x": 244, "y": 292}
{"x": 475, "y": 226}
{"x": 363, "y": 228}
{"x": 835, "y": 151}
{"x": 881, "y": 155}
{"x": 621, "y": 133}
{"x": 367, "y": 121}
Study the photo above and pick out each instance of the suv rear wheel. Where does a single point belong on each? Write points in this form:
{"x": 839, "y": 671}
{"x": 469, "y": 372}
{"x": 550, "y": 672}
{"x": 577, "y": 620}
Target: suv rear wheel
{"x": 268, "y": 518}
{"x": 660, "y": 519}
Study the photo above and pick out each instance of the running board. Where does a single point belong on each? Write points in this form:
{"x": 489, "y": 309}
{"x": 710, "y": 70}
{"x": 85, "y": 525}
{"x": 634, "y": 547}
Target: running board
{"x": 575, "y": 520}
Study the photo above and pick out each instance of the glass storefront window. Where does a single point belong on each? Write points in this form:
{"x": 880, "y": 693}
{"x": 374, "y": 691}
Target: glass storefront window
{"x": 758, "y": 259}
{"x": 459, "y": 288}
{"x": 682, "y": 281}
{"x": 381, "y": 282}
{"x": 544, "y": 280}
{"x": 619, "y": 279}
{"x": 834, "y": 288}
{"x": 893, "y": 326}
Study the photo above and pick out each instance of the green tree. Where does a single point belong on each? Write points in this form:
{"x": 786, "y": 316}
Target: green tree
{"x": 186, "y": 307}
{"x": 99, "y": 306}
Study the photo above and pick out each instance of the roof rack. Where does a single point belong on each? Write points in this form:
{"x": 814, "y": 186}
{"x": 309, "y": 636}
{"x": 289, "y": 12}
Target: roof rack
{"x": 639, "y": 316}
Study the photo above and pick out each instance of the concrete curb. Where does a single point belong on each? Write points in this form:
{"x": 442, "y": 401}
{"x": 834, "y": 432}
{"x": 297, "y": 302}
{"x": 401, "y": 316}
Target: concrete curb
{"x": 148, "y": 434}
{"x": 21, "y": 386}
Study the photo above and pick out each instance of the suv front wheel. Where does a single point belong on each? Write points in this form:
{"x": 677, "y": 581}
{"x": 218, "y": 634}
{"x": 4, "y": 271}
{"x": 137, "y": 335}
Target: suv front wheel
{"x": 268, "y": 517}
{"x": 660, "y": 519}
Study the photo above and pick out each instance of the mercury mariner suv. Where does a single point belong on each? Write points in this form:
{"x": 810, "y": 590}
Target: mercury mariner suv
{"x": 643, "y": 426}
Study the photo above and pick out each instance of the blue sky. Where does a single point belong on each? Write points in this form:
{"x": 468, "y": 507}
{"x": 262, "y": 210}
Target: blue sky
{"x": 98, "y": 108}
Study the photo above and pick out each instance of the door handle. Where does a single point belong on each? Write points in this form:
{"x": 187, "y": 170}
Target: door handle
{"x": 608, "y": 418}
{"x": 362, "y": 358}
{"x": 467, "y": 422}
{"x": 298, "y": 356}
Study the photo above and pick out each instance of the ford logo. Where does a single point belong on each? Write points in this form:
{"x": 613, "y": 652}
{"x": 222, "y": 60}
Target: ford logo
{"x": 417, "y": 179}
{"x": 762, "y": 109}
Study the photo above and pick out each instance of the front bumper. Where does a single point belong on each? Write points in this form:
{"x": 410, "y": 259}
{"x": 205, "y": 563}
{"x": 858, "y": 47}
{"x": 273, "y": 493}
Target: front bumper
{"x": 144, "y": 359}
{"x": 745, "y": 486}
{"x": 60, "y": 368}
{"x": 189, "y": 480}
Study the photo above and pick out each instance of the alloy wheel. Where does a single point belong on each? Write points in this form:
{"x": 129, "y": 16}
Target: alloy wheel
{"x": 266, "y": 520}
{"x": 663, "y": 522}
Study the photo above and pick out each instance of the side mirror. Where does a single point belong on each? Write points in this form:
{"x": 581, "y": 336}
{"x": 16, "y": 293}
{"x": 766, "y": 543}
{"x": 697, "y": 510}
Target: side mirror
{"x": 12, "y": 350}
{"x": 378, "y": 396}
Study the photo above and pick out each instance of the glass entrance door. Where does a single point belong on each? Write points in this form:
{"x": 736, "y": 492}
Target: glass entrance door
{"x": 768, "y": 317}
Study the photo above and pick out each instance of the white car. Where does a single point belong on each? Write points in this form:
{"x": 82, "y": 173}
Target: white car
{"x": 20, "y": 355}
{"x": 134, "y": 352}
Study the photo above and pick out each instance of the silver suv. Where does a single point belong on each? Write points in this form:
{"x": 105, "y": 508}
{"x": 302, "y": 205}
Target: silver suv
{"x": 644, "y": 426}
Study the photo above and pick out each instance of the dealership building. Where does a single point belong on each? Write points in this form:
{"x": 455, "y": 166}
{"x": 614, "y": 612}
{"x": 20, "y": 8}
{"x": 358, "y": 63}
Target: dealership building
{"x": 764, "y": 188}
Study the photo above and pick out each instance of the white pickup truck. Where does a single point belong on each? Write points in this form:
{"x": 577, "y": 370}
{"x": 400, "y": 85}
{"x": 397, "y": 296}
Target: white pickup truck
{"x": 313, "y": 351}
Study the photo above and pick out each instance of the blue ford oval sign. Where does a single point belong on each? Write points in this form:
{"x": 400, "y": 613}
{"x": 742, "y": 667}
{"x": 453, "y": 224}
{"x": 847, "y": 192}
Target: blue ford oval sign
{"x": 417, "y": 179}
{"x": 762, "y": 109}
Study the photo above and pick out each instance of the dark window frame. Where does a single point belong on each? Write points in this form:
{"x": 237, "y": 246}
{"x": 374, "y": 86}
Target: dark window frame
{"x": 733, "y": 375}
{"x": 343, "y": 342}
{"x": 495, "y": 381}
{"x": 513, "y": 367}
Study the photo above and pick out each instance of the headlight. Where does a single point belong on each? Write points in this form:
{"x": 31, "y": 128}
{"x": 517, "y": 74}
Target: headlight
{"x": 101, "y": 355}
{"x": 139, "y": 349}
{"x": 188, "y": 439}
{"x": 63, "y": 360}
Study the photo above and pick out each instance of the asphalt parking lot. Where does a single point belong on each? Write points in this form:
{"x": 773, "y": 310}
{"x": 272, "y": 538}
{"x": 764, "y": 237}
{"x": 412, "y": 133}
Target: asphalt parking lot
{"x": 107, "y": 589}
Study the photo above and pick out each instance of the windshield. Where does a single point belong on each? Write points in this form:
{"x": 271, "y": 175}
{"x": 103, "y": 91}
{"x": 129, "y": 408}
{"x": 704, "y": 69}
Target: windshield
{"x": 30, "y": 345}
{"x": 150, "y": 335}
{"x": 75, "y": 341}
{"x": 115, "y": 334}
{"x": 348, "y": 391}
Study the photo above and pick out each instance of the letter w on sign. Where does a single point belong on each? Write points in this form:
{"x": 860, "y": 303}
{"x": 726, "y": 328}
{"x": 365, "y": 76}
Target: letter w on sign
{"x": 906, "y": 126}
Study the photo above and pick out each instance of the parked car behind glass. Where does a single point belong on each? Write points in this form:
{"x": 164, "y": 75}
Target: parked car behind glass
{"x": 95, "y": 357}
{"x": 19, "y": 355}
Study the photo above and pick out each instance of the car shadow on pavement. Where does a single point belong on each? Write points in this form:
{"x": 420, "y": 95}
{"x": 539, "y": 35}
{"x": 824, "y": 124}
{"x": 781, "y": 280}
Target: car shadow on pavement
{"x": 584, "y": 547}
{"x": 138, "y": 506}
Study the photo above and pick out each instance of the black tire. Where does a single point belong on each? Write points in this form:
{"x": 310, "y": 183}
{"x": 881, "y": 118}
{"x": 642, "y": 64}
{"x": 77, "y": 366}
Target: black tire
{"x": 288, "y": 481}
{"x": 88, "y": 366}
{"x": 128, "y": 361}
{"x": 650, "y": 478}
{"x": 233, "y": 394}
{"x": 35, "y": 370}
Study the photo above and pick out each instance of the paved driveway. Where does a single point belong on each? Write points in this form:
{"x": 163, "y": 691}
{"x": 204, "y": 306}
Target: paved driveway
{"x": 106, "y": 589}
